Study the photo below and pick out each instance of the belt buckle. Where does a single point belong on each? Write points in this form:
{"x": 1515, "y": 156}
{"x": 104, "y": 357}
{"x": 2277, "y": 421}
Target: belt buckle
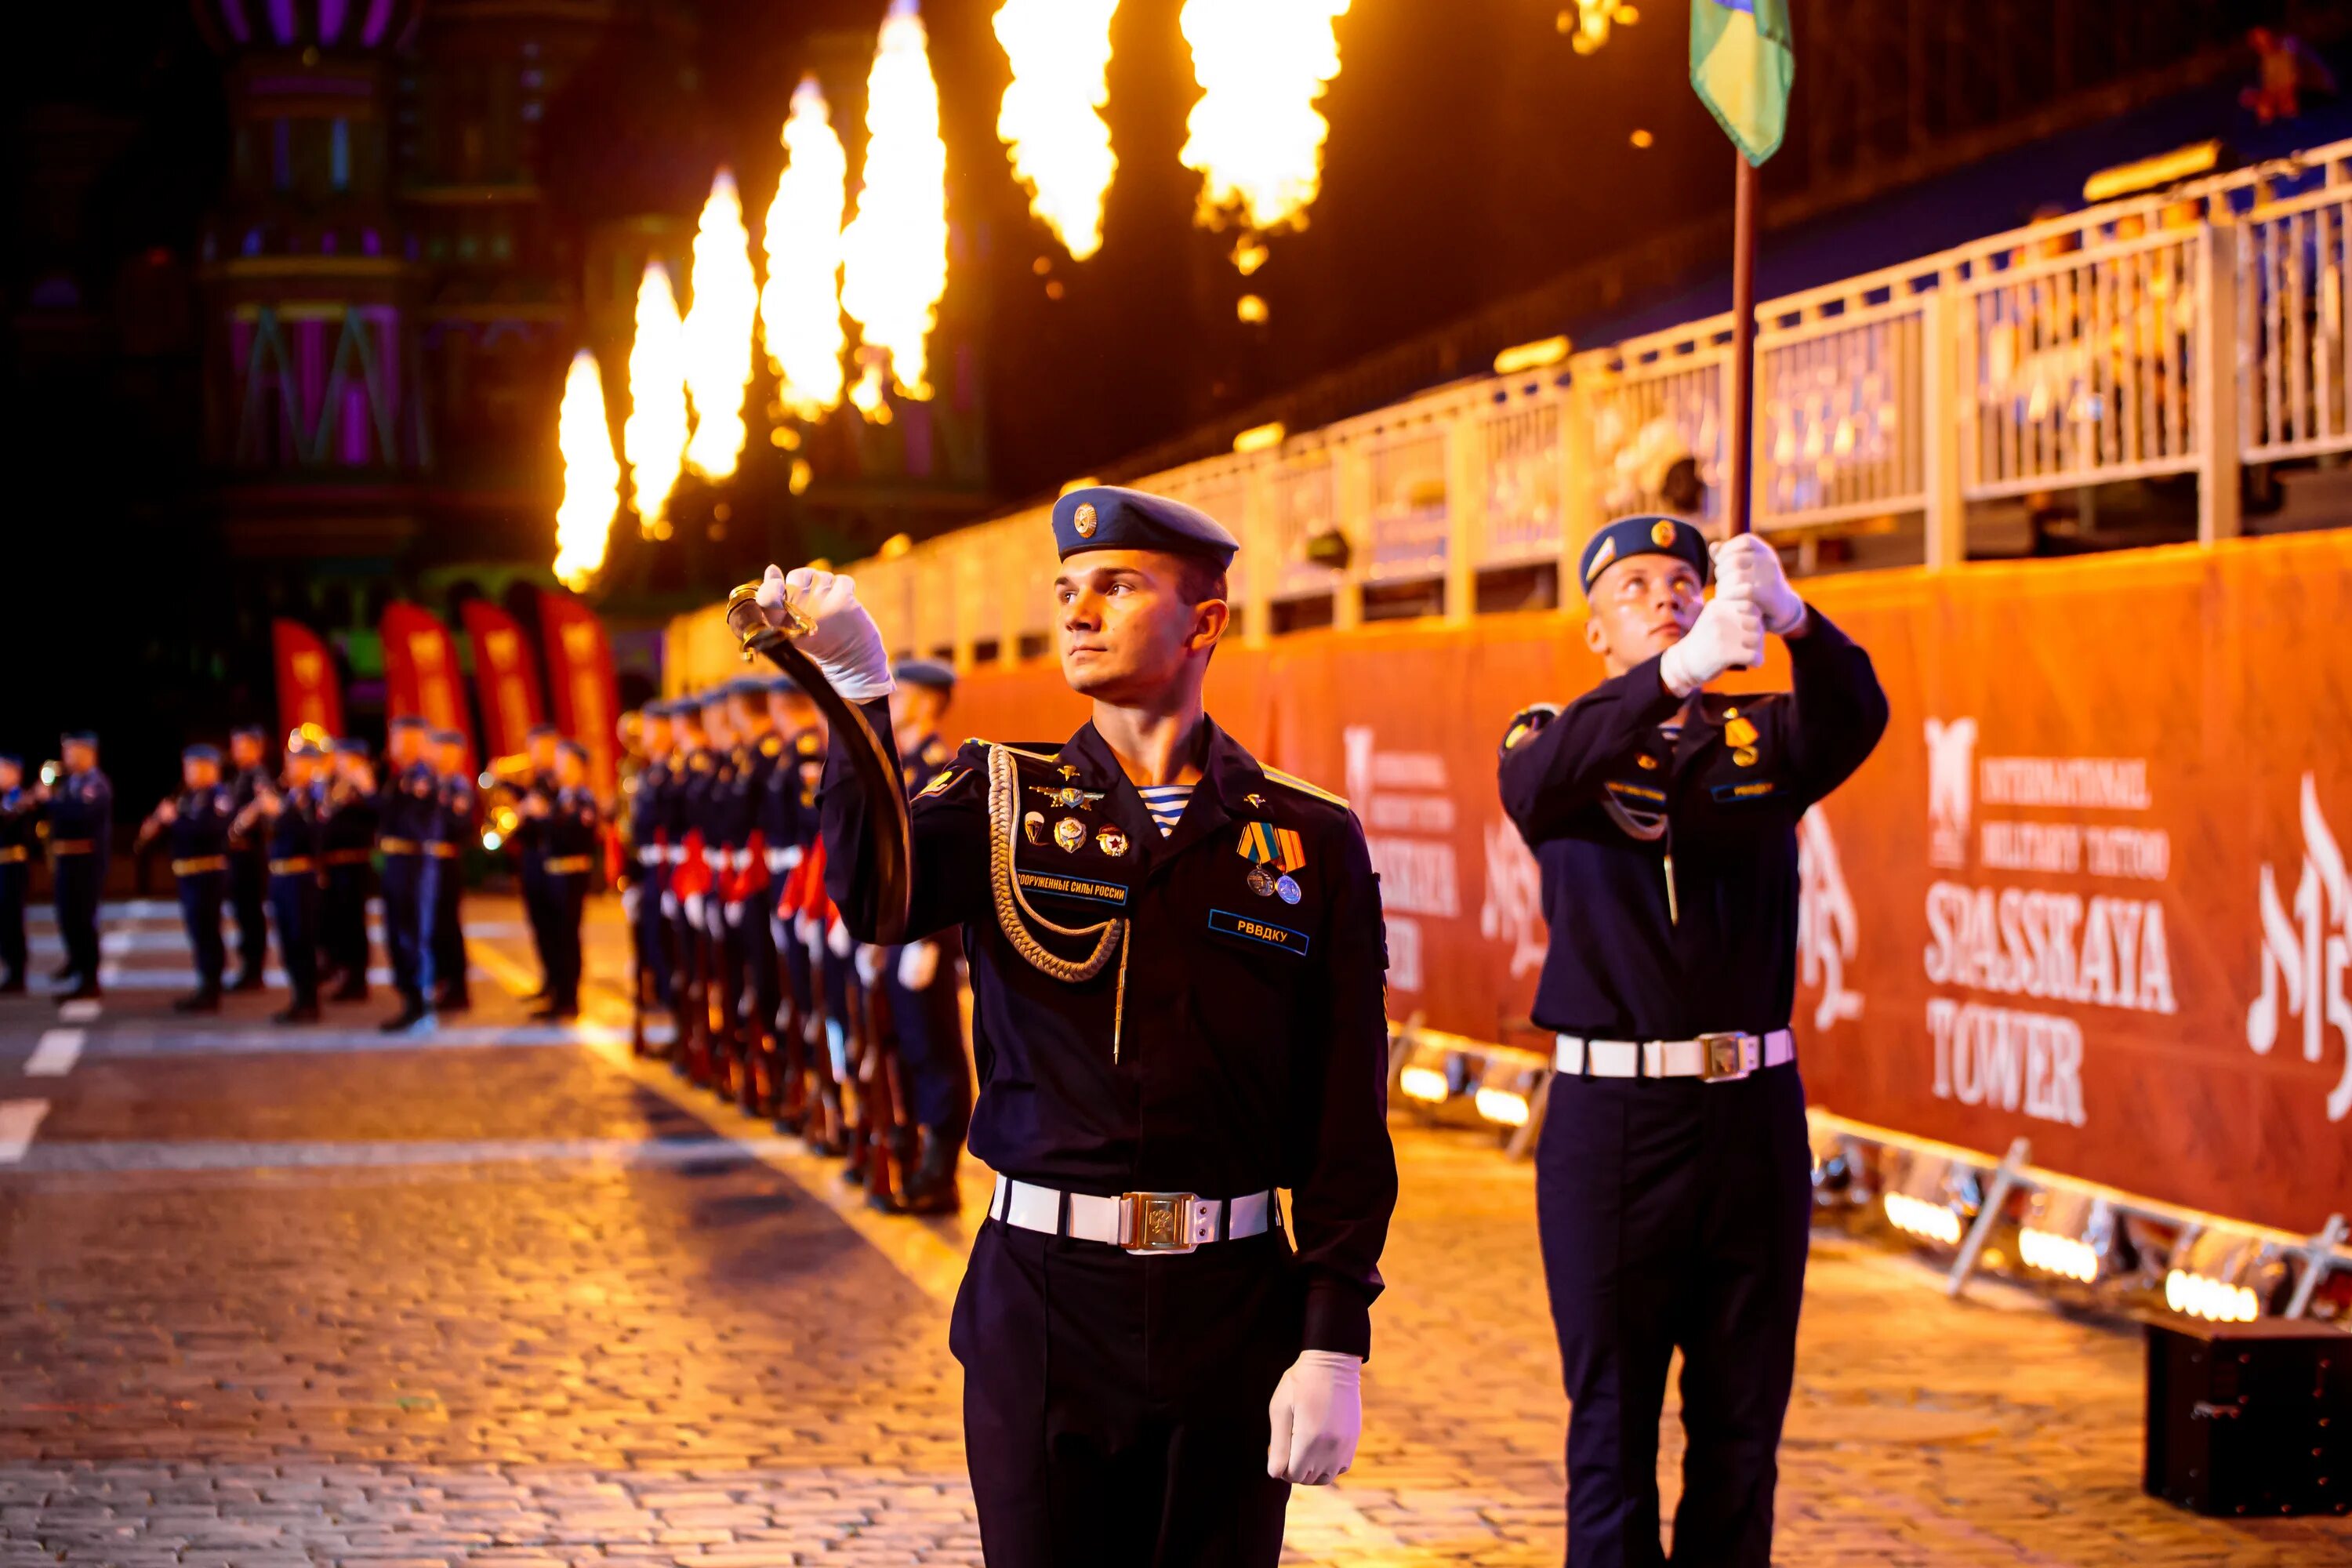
{"x": 1723, "y": 1062}
{"x": 1156, "y": 1221}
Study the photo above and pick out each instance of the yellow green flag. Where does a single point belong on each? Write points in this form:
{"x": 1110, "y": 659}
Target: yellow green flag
{"x": 1742, "y": 59}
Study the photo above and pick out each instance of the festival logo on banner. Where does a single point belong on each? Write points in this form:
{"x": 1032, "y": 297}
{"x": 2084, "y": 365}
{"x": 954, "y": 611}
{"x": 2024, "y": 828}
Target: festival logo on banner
{"x": 1951, "y": 758}
{"x": 421, "y": 674}
{"x": 2304, "y": 955}
{"x": 504, "y": 675}
{"x": 1828, "y": 931}
{"x": 2040, "y": 943}
{"x": 1511, "y": 914}
{"x": 1408, "y": 820}
{"x": 307, "y": 692}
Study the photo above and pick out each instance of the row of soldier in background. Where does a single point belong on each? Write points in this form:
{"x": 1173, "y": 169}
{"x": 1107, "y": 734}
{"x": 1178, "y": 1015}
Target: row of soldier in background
{"x": 300, "y": 849}
{"x": 858, "y": 1050}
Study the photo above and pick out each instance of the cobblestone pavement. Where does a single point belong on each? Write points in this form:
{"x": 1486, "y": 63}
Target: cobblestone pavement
{"x": 502, "y": 1295}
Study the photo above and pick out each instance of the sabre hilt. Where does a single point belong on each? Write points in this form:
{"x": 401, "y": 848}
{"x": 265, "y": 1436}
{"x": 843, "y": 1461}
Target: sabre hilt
{"x": 748, "y": 619}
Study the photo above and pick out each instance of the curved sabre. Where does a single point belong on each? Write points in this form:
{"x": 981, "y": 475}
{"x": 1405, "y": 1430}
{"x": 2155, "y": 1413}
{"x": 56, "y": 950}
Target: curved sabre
{"x": 886, "y": 793}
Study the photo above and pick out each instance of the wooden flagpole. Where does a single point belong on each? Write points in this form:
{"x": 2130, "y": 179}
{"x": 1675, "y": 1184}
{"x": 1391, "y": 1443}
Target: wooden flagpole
{"x": 1738, "y": 432}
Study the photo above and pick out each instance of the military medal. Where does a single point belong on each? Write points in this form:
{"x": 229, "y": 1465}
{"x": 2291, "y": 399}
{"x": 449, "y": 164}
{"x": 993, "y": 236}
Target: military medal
{"x": 1110, "y": 840}
{"x": 1272, "y": 854}
{"x": 1034, "y": 824}
{"x": 1070, "y": 833}
{"x": 1741, "y": 735}
{"x": 1744, "y": 757}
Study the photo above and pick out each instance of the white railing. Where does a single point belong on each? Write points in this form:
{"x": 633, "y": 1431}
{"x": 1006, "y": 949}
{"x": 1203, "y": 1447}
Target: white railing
{"x": 2189, "y": 332}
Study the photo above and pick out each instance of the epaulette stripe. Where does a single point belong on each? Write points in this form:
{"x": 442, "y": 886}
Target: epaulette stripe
{"x": 1017, "y": 751}
{"x": 1277, "y": 777}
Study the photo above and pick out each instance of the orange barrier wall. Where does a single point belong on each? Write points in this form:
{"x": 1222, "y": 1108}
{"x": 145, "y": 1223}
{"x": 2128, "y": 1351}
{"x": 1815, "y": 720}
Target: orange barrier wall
{"x": 2090, "y": 889}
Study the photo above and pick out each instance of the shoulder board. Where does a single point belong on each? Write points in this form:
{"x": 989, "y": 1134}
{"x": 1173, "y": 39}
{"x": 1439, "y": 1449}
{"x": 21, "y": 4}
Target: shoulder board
{"x": 1528, "y": 720}
{"x": 1291, "y": 781}
{"x": 1049, "y": 757}
{"x": 770, "y": 746}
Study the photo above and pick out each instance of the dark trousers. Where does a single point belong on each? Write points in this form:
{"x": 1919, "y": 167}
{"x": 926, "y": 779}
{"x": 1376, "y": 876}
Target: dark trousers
{"x": 200, "y": 912}
{"x": 1673, "y": 1215}
{"x": 756, "y": 945}
{"x": 342, "y": 920}
{"x": 793, "y": 967}
{"x": 294, "y": 905}
{"x": 654, "y": 935}
{"x": 929, "y": 1024}
{"x": 408, "y": 897}
{"x": 566, "y": 896}
{"x": 531, "y": 872}
{"x": 78, "y": 878}
{"x": 726, "y": 963}
{"x": 249, "y": 890}
{"x": 12, "y": 877}
{"x": 1114, "y": 1407}
{"x": 449, "y": 924}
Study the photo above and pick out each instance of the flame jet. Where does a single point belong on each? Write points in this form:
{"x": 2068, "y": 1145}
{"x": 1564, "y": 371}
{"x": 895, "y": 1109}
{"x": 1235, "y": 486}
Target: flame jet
{"x": 896, "y": 248}
{"x": 655, "y": 435}
{"x": 1255, "y": 135}
{"x": 719, "y": 328}
{"x": 1051, "y": 116}
{"x": 591, "y": 474}
{"x": 799, "y": 308}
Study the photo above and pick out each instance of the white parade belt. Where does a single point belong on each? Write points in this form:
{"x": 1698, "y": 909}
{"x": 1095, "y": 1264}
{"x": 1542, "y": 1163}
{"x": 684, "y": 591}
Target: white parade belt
{"x": 1142, "y": 1223}
{"x": 1716, "y": 1059}
{"x": 784, "y": 859}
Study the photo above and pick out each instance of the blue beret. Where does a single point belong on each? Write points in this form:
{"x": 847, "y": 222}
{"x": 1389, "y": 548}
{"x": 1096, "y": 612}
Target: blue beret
{"x": 717, "y": 695}
{"x": 248, "y": 732}
{"x": 1649, "y": 533}
{"x": 411, "y": 721}
{"x": 200, "y": 753}
{"x": 655, "y": 710}
{"x": 79, "y": 738}
{"x": 750, "y": 689}
{"x": 349, "y": 746}
{"x": 539, "y": 731}
{"x": 448, "y": 738}
{"x": 572, "y": 747}
{"x": 12, "y": 759}
{"x": 303, "y": 746}
{"x": 928, "y": 672}
{"x": 1105, "y": 517}
{"x": 783, "y": 686}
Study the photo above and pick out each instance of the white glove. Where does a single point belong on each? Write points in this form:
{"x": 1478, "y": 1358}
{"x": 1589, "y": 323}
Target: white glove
{"x": 1747, "y": 568}
{"x": 629, "y": 899}
{"x": 1317, "y": 1413}
{"x": 869, "y": 963}
{"x": 846, "y": 643}
{"x": 669, "y": 906}
{"x": 807, "y": 929}
{"x": 839, "y": 939}
{"x": 776, "y": 928}
{"x": 1730, "y": 634}
{"x": 694, "y": 910}
{"x": 919, "y": 963}
{"x": 735, "y": 914}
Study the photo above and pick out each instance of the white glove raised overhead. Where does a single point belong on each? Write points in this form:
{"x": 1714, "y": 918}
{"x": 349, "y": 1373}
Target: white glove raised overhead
{"x": 1317, "y": 1413}
{"x": 1729, "y": 634}
{"x": 1747, "y": 568}
{"x": 845, "y": 645}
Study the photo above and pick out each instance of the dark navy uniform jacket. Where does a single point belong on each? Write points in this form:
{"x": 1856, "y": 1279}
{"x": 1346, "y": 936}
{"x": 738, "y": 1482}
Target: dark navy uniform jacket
{"x": 647, "y": 811}
{"x": 81, "y": 811}
{"x": 249, "y": 782}
{"x": 408, "y": 808}
{"x": 17, "y": 814}
{"x": 571, "y": 827}
{"x": 453, "y": 817}
{"x": 1612, "y": 808}
{"x": 1253, "y": 1041}
{"x": 294, "y": 832}
{"x": 200, "y": 830}
{"x": 347, "y": 820}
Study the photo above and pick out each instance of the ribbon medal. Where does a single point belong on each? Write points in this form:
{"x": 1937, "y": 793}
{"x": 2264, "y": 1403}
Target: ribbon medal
{"x": 1740, "y": 735}
{"x": 1272, "y": 854}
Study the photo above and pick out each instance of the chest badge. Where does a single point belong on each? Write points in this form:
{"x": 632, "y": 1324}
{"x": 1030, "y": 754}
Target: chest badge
{"x": 1034, "y": 824}
{"x": 1070, "y": 834}
{"x": 1646, "y": 762}
{"x": 1261, "y": 881}
{"x": 1110, "y": 840}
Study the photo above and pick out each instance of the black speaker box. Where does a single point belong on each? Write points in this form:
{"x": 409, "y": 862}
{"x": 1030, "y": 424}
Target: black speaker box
{"x": 2250, "y": 1418}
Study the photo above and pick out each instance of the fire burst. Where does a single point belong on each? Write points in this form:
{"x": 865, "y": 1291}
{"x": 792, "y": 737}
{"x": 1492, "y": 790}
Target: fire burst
{"x": 655, "y": 435}
{"x": 896, "y": 248}
{"x": 718, "y": 338}
{"x": 1051, "y": 116}
{"x": 1255, "y": 135}
{"x": 800, "y": 309}
{"x": 591, "y": 474}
